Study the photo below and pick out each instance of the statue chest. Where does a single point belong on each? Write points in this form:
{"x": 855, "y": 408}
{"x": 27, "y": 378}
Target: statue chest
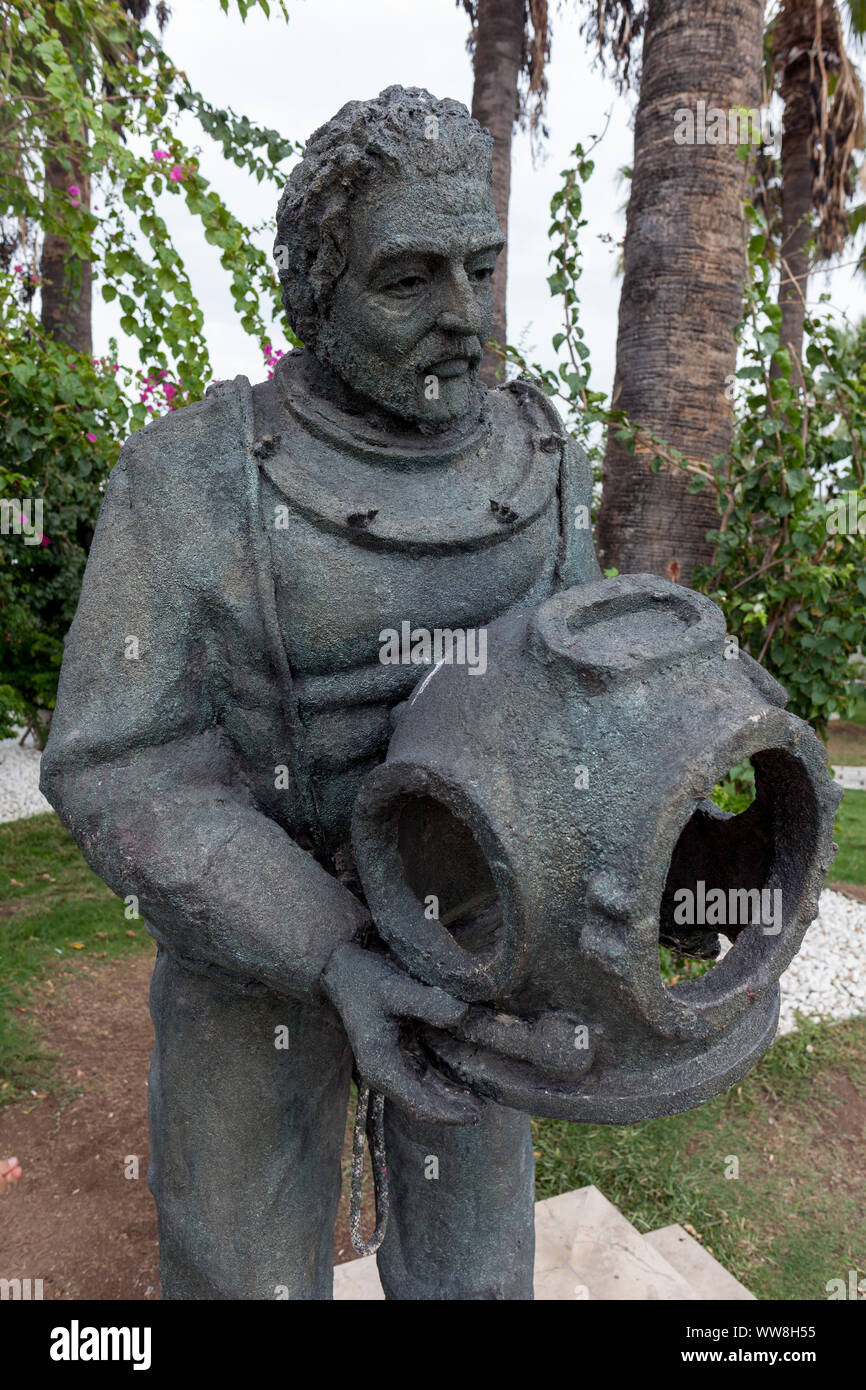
{"x": 360, "y": 544}
{"x": 373, "y": 572}
{"x": 337, "y": 593}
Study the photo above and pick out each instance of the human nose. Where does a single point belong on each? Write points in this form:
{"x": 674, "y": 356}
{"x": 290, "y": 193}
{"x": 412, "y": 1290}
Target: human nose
{"x": 458, "y": 311}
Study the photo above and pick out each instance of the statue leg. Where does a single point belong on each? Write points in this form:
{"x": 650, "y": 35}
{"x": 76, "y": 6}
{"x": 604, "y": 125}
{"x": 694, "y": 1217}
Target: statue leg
{"x": 246, "y": 1138}
{"x": 462, "y": 1208}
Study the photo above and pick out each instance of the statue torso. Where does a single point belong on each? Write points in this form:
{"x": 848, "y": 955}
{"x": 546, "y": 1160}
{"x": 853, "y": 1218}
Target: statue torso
{"x": 365, "y": 540}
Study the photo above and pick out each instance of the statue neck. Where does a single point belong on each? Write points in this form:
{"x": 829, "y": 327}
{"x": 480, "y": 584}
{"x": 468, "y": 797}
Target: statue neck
{"x": 301, "y": 374}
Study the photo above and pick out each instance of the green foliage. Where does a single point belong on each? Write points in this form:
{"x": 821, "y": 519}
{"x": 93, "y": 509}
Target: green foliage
{"x": 789, "y": 569}
{"x": 569, "y": 383}
{"x": 96, "y": 91}
{"x": 790, "y": 563}
{"x": 83, "y": 84}
{"x": 63, "y": 416}
{"x": 736, "y": 792}
{"x": 674, "y": 967}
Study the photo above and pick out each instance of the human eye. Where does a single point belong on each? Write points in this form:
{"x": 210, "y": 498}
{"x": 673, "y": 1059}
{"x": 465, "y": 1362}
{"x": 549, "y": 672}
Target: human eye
{"x": 410, "y": 282}
{"x": 481, "y": 272}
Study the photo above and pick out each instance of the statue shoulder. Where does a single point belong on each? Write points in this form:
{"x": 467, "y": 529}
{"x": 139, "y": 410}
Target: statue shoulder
{"x": 202, "y": 445}
{"x": 523, "y": 395}
{"x": 577, "y": 562}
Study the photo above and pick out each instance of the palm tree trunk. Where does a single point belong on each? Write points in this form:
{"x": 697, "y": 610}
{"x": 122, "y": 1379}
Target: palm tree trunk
{"x": 683, "y": 283}
{"x": 797, "y": 225}
{"x": 498, "y": 53}
{"x": 66, "y": 280}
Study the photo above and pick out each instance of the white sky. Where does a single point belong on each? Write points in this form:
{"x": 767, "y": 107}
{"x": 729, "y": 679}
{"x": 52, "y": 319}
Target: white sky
{"x": 293, "y": 77}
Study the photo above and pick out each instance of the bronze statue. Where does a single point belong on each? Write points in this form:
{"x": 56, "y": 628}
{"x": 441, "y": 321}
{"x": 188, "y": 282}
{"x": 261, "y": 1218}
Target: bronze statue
{"x": 222, "y": 697}
{"x": 272, "y": 569}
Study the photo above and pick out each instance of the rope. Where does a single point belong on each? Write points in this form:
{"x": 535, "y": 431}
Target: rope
{"x": 380, "y": 1170}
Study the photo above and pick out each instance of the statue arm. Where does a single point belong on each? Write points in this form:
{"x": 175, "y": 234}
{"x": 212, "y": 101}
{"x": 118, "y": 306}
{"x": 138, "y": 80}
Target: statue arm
{"x": 138, "y": 765}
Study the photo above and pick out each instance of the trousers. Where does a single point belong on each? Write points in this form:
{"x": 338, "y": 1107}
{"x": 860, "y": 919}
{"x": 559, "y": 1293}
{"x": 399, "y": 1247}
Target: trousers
{"x": 247, "y": 1105}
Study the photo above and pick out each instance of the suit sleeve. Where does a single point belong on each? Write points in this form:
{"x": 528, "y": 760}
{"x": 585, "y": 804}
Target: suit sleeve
{"x": 137, "y": 763}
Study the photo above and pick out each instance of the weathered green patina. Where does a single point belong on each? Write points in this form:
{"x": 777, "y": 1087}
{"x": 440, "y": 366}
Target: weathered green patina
{"x": 226, "y": 691}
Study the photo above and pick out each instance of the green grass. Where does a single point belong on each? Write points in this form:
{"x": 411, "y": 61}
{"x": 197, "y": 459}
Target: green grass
{"x": 52, "y": 908}
{"x": 794, "y": 1216}
{"x": 859, "y": 715}
{"x": 785, "y": 1226}
{"x": 849, "y": 866}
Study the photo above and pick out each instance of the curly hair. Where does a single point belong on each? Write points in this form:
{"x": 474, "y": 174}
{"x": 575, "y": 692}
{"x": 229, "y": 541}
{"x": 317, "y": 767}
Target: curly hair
{"x": 403, "y": 131}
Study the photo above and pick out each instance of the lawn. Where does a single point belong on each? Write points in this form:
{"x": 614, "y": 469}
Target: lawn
{"x": 849, "y": 866}
{"x": 791, "y": 1220}
{"x": 51, "y": 908}
{"x": 793, "y": 1217}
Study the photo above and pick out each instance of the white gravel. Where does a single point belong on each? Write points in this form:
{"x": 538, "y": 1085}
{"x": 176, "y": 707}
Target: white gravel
{"x": 853, "y": 778}
{"x": 19, "y": 780}
{"x": 827, "y": 979}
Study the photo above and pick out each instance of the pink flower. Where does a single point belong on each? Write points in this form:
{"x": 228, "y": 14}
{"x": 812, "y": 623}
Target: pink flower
{"x": 175, "y": 173}
{"x": 91, "y": 437}
{"x": 44, "y": 541}
{"x": 169, "y": 390}
{"x": 161, "y": 154}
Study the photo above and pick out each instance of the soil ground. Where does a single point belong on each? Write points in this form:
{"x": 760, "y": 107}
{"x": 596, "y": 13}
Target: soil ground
{"x": 74, "y": 1219}
{"x": 798, "y": 1124}
{"x": 846, "y": 743}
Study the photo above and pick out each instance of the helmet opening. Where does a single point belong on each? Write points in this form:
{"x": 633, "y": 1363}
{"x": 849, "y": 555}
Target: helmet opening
{"x": 447, "y": 872}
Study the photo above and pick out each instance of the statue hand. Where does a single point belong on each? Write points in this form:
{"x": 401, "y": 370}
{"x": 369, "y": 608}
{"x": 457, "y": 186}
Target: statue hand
{"x": 554, "y": 1043}
{"x": 374, "y": 998}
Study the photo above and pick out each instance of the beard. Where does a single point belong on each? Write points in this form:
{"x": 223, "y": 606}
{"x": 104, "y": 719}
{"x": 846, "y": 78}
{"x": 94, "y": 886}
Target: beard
{"x": 409, "y": 389}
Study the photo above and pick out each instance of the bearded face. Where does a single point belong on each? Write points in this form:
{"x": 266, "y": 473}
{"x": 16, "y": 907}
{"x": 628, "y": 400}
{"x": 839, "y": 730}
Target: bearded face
{"x": 409, "y": 315}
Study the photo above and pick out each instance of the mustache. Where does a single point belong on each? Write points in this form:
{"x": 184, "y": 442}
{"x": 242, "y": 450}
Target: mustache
{"x": 441, "y": 347}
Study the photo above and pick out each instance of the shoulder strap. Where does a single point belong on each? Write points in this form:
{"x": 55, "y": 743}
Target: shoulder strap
{"x": 254, "y": 447}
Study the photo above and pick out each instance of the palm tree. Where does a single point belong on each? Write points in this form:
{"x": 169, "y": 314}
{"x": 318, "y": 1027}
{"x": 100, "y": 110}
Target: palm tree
{"x": 823, "y": 125}
{"x": 682, "y": 287}
{"x": 510, "y": 46}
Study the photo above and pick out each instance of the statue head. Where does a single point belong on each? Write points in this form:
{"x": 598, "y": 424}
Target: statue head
{"x": 386, "y": 242}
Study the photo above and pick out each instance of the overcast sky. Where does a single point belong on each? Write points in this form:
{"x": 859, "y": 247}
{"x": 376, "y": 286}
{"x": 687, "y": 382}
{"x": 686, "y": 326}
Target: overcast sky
{"x": 293, "y": 77}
